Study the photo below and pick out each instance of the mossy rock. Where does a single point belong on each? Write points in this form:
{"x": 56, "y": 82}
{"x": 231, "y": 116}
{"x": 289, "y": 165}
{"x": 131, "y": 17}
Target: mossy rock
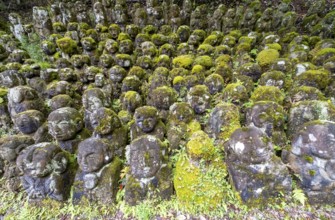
{"x": 274, "y": 46}
{"x": 268, "y": 93}
{"x": 183, "y": 61}
{"x": 266, "y": 57}
{"x": 205, "y": 61}
{"x": 316, "y": 78}
{"x": 67, "y": 45}
{"x": 200, "y": 187}
{"x": 235, "y": 93}
{"x": 200, "y": 146}
{"x": 243, "y": 48}
{"x": 205, "y": 49}
{"x": 159, "y": 39}
{"x": 212, "y": 40}
{"x": 123, "y": 36}
{"x": 322, "y": 55}
{"x": 235, "y": 33}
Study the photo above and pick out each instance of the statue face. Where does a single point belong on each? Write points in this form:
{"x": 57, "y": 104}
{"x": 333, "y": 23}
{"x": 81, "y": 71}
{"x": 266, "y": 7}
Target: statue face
{"x": 90, "y": 159}
{"x": 93, "y": 103}
{"x": 146, "y": 121}
{"x": 29, "y": 121}
{"x": 199, "y": 103}
{"x": 104, "y": 121}
{"x": 39, "y": 166}
{"x": 64, "y": 123}
{"x": 99, "y": 80}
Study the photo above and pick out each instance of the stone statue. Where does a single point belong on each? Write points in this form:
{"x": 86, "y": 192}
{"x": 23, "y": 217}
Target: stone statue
{"x": 99, "y": 172}
{"x": 47, "y": 172}
{"x": 67, "y": 127}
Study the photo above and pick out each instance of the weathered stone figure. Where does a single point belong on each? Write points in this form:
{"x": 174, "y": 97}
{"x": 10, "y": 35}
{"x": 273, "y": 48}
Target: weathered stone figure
{"x": 42, "y": 21}
{"x": 99, "y": 171}
{"x": 10, "y": 148}
{"x": 93, "y": 99}
{"x": 47, "y": 172}
{"x": 66, "y": 126}
{"x": 149, "y": 174}
{"x": 107, "y": 125}
{"x": 22, "y": 98}
{"x": 147, "y": 122}
{"x": 16, "y": 26}
{"x": 255, "y": 170}
{"x": 312, "y": 158}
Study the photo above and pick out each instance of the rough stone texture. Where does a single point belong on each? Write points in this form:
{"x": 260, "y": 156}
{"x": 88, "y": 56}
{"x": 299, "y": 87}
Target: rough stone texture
{"x": 149, "y": 175}
{"x": 312, "y": 159}
{"x": 255, "y": 171}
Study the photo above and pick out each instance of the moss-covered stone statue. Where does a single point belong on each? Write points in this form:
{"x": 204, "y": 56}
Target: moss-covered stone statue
{"x": 10, "y": 148}
{"x": 149, "y": 174}
{"x": 67, "y": 127}
{"x": 256, "y": 172}
{"x": 106, "y": 124}
{"x": 146, "y": 121}
{"x": 98, "y": 174}
{"x": 199, "y": 178}
{"x": 48, "y": 171}
{"x": 312, "y": 158}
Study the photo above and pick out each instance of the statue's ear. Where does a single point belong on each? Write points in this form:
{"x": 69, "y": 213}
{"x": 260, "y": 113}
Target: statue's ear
{"x": 60, "y": 162}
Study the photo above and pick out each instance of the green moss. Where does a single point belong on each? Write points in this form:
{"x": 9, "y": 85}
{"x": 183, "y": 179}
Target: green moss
{"x": 243, "y": 47}
{"x": 318, "y": 78}
{"x": 159, "y": 39}
{"x": 193, "y": 126}
{"x": 235, "y": 33}
{"x": 205, "y": 49}
{"x": 201, "y": 186}
{"x": 308, "y": 158}
{"x": 312, "y": 172}
{"x": 268, "y": 93}
{"x": 200, "y": 146}
{"x": 274, "y": 46}
{"x": 178, "y": 80}
{"x": 289, "y": 37}
{"x": 149, "y": 29}
{"x": 205, "y": 61}
{"x": 211, "y": 40}
{"x": 184, "y": 61}
{"x": 137, "y": 71}
{"x": 266, "y": 57}
{"x": 323, "y": 55}
{"x": 58, "y": 26}
{"x": 67, "y": 45}
{"x": 123, "y": 36}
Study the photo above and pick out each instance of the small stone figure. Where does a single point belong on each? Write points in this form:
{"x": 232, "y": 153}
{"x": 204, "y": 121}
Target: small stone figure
{"x": 147, "y": 122}
{"x": 312, "y": 158}
{"x": 99, "y": 13}
{"x": 22, "y": 98}
{"x": 229, "y": 22}
{"x": 42, "y": 21}
{"x": 16, "y": 26}
{"x": 200, "y": 100}
{"x": 47, "y": 172}
{"x": 149, "y": 174}
{"x": 81, "y": 12}
{"x": 216, "y": 21}
{"x": 181, "y": 125}
{"x": 255, "y": 170}
{"x": 93, "y": 99}
{"x": 67, "y": 127}
{"x": 10, "y": 148}
{"x": 99, "y": 172}
{"x": 107, "y": 125}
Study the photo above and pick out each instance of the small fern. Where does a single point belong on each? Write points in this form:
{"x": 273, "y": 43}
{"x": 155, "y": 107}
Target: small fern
{"x": 299, "y": 195}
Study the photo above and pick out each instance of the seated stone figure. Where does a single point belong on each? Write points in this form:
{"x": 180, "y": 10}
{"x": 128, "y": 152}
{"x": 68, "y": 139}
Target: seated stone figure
{"x": 181, "y": 124}
{"x": 66, "y": 126}
{"x": 149, "y": 174}
{"x": 106, "y": 124}
{"x": 10, "y": 147}
{"x": 147, "y": 122}
{"x": 99, "y": 171}
{"x": 93, "y": 99}
{"x": 22, "y": 98}
{"x": 255, "y": 170}
{"x": 312, "y": 157}
{"x": 200, "y": 100}
{"x": 47, "y": 171}
{"x": 31, "y": 122}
